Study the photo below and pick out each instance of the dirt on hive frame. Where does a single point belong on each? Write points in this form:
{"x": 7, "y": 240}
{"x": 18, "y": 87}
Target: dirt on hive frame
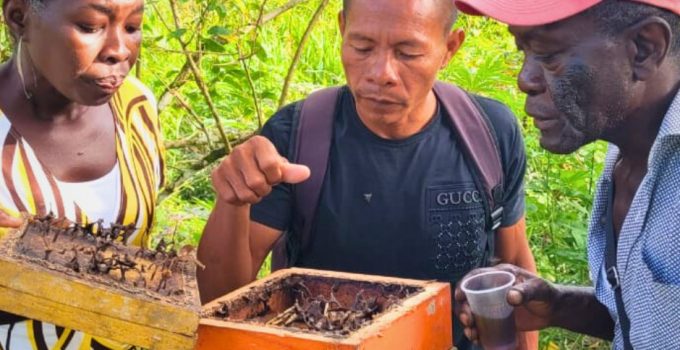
{"x": 94, "y": 253}
{"x": 321, "y": 305}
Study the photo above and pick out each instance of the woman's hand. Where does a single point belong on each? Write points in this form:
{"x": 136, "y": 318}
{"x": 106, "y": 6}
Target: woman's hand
{"x": 8, "y": 221}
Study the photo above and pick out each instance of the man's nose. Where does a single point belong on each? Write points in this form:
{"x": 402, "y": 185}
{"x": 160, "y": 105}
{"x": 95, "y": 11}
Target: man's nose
{"x": 383, "y": 70}
{"x": 530, "y": 79}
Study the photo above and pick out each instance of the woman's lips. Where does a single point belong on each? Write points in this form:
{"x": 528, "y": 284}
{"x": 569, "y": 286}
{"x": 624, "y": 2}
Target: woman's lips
{"x": 108, "y": 84}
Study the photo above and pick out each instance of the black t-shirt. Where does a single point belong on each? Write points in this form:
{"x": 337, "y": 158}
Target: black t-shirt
{"x": 405, "y": 208}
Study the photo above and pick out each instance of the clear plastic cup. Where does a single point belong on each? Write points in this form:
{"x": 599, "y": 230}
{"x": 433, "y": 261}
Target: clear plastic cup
{"x": 494, "y": 318}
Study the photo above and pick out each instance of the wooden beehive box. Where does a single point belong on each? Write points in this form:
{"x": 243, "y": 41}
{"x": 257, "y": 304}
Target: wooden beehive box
{"x": 283, "y": 311}
{"x": 55, "y": 272}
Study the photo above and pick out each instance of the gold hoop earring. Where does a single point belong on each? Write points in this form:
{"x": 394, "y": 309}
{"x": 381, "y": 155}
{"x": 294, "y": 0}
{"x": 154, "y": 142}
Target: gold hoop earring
{"x": 21, "y": 71}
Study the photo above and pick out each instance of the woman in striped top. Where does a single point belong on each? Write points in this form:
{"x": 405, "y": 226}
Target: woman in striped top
{"x": 79, "y": 138}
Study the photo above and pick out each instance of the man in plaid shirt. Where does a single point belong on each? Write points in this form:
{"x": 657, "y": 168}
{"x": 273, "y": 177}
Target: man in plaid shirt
{"x": 606, "y": 70}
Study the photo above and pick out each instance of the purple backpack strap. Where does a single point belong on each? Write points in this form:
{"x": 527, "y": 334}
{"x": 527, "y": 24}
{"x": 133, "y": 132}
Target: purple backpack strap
{"x": 312, "y": 148}
{"x": 479, "y": 142}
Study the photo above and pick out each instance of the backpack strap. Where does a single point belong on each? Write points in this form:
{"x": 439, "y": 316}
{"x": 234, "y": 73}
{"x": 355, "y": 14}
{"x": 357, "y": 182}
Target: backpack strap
{"x": 312, "y": 146}
{"x": 479, "y": 142}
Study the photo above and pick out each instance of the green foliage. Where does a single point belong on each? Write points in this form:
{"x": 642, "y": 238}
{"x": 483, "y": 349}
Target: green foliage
{"x": 218, "y": 34}
{"x": 243, "y": 51}
{"x": 5, "y": 42}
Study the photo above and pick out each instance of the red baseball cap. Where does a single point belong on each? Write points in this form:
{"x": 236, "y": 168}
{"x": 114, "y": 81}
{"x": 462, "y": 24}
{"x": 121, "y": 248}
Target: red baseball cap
{"x": 540, "y": 12}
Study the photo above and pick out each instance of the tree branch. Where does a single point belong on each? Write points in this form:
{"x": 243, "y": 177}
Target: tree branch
{"x": 253, "y": 92}
{"x": 298, "y": 52}
{"x": 200, "y": 82}
{"x": 249, "y": 78}
{"x": 166, "y": 97}
{"x": 196, "y": 167}
{"x": 180, "y": 79}
{"x": 272, "y": 15}
{"x": 277, "y": 12}
{"x": 197, "y": 119}
{"x": 190, "y": 141}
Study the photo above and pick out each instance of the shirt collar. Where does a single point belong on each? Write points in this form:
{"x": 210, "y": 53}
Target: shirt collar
{"x": 671, "y": 122}
{"x": 610, "y": 162}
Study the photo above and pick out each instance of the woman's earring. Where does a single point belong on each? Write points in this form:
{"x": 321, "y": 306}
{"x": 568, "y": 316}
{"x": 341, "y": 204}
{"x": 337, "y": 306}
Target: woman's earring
{"x": 21, "y": 71}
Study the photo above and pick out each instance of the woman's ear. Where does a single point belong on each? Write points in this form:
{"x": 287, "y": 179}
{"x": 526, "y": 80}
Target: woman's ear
{"x": 648, "y": 46}
{"x": 15, "y": 12}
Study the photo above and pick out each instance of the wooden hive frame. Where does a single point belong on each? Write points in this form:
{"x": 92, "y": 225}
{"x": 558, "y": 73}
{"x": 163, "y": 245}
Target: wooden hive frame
{"x": 48, "y": 294}
{"x": 421, "y": 321}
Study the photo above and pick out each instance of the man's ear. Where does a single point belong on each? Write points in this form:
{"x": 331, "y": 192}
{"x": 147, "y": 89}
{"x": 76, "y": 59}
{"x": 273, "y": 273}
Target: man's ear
{"x": 15, "y": 14}
{"x": 454, "y": 41}
{"x": 649, "y": 44}
{"x": 342, "y": 21}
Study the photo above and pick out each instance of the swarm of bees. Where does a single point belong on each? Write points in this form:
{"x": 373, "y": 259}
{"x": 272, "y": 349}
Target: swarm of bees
{"x": 96, "y": 250}
{"x": 324, "y": 313}
{"x": 329, "y": 315}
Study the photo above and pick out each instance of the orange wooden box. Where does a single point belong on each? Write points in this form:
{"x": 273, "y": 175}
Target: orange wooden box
{"x": 419, "y": 321}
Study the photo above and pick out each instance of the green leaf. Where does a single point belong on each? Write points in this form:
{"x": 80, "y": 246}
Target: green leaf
{"x": 219, "y": 31}
{"x": 212, "y": 45}
{"x": 177, "y": 34}
{"x": 260, "y": 52}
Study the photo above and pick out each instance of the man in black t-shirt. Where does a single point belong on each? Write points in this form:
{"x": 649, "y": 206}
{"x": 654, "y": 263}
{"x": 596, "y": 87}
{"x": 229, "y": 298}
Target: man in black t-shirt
{"x": 399, "y": 197}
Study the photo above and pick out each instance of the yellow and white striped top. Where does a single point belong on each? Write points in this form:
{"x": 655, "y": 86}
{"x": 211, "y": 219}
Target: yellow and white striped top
{"x": 27, "y": 186}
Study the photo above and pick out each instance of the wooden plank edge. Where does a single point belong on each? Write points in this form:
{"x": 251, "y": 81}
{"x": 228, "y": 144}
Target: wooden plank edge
{"x": 42, "y": 283}
{"x": 100, "y": 325}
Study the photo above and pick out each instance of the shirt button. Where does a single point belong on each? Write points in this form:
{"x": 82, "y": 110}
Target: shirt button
{"x": 603, "y": 220}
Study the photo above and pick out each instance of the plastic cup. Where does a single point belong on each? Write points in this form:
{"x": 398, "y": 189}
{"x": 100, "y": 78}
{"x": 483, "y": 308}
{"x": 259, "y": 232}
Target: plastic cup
{"x": 495, "y": 320}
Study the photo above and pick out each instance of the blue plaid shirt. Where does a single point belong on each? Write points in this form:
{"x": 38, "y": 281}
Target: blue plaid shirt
{"x": 648, "y": 254}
